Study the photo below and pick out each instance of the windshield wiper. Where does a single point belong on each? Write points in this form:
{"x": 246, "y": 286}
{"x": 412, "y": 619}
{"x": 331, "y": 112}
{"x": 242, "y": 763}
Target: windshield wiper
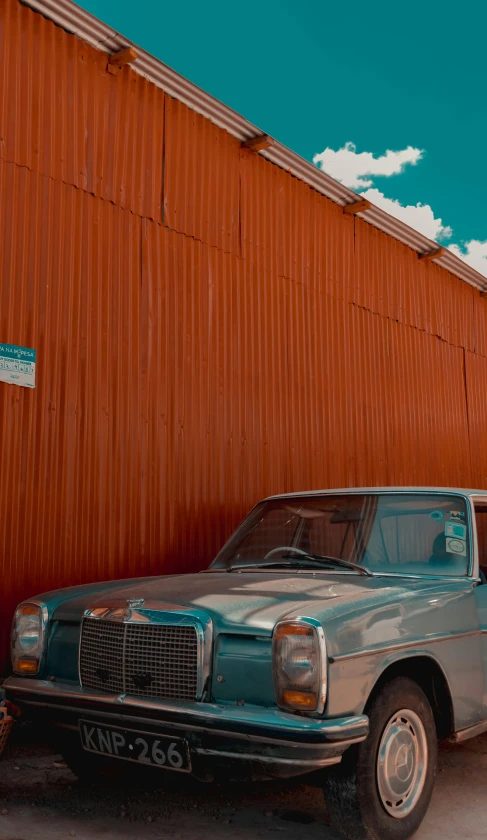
{"x": 318, "y": 560}
{"x": 325, "y": 558}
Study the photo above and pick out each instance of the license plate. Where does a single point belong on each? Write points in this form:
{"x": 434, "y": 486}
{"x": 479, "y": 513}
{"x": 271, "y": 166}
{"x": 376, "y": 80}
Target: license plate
{"x": 131, "y": 745}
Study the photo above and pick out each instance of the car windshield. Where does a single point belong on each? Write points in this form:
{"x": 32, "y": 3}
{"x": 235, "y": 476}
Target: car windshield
{"x": 398, "y": 533}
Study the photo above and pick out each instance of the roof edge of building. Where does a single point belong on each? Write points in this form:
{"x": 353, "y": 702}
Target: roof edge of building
{"x": 86, "y": 26}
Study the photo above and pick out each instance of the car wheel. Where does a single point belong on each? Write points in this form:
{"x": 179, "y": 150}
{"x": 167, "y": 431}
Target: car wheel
{"x": 383, "y": 786}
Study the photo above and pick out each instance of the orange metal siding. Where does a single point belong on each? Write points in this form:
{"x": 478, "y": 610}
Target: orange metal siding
{"x": 428, "y": 411}
{"x": 476, "y": 378}
{"x": 290, "y": 230}
{"x": 63, "y": 115}
{"x": 69, "y": 281}
{"x": 390, "y": 279}
{"x": 201, "y": 178}
{"x": 339, "y": 381}
{"x": 480, "y": 325}
{"x": 253, "y": 341}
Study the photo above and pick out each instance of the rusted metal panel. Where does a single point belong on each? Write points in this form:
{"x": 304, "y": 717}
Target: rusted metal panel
{"x": 218, "y": 397}
{"x": 70, "y": 287}
{"x": 340, "y": 377}
{"x": 480, "y": 325}
{"x": 315, "y": 239}
{"x": 427, "y": 409}
{"x": 290, "y": 230}
{"x": 201, "y": 178}
{"x": 390, "y": 280}
{"x": 476, "y": 378}
{"x": 455, "y": 306}
{"x": 261, "y": 213}
{"x": 63, "y": 115}
{"x": 76, "y": 19}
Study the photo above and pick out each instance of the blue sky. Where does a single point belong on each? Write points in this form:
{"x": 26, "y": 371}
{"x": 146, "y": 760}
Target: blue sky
{"x": 318, "y": 76}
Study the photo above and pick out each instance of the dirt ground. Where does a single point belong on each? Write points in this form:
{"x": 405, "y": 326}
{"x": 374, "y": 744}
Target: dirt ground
{"x": 44, "y": 801}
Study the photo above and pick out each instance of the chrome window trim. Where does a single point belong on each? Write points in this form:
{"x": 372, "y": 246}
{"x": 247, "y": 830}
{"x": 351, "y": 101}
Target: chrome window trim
{"x": 323, "y": 659}
{"x": 159, "y": 614}
{"x": 379, "y": 491}
{"x": 348, "y": 573}
{"x": 473, "y": 499}
{"x": 44, "y": 631}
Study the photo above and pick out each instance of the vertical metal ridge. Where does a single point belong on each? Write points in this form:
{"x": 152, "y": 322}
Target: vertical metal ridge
{"x": 476, "y": 384}
{"x": 201, "y": 178}
{"x": 392, "y": 282}
{"x": 290, "y": 230}
{"x": 76, "y": 20}
{"x": 63, "y": 115}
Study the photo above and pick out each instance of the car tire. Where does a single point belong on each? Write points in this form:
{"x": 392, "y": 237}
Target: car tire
{"x": 382, "y": 787}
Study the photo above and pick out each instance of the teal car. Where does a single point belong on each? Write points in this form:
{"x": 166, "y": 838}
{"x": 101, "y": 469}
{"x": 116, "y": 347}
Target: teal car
{"x": 337, "y": 636}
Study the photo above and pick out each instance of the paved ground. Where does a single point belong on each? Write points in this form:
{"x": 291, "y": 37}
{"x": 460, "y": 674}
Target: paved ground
{"x": 45, "y": 802}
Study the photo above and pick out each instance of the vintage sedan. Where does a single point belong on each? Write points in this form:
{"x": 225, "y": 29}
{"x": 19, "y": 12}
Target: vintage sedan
{"x": 338, "y": 634}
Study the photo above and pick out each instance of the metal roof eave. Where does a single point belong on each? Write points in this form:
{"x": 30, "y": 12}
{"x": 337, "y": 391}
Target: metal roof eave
{"x": 76, "y": 20}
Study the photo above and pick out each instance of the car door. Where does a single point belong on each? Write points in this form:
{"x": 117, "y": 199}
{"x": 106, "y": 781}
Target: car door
{"x": 480, "y": 507}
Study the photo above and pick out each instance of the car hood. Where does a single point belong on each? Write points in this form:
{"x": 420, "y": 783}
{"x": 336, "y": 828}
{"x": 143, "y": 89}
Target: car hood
{"x": 235, "y": 602}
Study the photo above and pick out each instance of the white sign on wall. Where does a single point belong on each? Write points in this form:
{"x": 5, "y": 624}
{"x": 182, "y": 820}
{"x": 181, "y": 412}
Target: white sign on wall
{"x": 17, "y": 365}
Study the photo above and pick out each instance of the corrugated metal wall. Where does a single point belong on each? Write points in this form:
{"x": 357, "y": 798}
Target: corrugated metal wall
{"x": 208, "y": 330}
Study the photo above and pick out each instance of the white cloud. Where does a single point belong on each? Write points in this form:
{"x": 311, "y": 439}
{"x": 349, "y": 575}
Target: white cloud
{"x": 418, "y": 216}
{"x": 356, "y": 169}
{"x": 474, "y": 253}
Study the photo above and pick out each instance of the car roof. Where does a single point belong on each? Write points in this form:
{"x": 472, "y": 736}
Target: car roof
{"x": 457, "y": 491}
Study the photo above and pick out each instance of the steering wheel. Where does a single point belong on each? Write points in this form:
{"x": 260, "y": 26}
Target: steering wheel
{"x": 285, "y": 548}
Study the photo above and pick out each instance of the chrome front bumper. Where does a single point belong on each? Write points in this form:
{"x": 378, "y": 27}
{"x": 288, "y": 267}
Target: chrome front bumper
{"x": 274, "y": 742}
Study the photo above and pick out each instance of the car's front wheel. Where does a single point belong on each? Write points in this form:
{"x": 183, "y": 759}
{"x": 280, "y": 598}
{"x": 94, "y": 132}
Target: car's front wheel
{"x": 383, "y": 786}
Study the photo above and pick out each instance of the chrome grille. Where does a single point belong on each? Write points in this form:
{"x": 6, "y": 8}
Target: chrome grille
{"x": 101, "y": 655}
{"x": 149, "y": 660}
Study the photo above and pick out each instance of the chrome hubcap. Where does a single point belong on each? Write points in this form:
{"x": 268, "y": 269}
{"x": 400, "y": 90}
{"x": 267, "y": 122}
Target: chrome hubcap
{"x": 402, "y": 763}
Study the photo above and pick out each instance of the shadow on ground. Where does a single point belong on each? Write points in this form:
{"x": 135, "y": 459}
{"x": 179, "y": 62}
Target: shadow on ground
{"x": 44, "y": 801}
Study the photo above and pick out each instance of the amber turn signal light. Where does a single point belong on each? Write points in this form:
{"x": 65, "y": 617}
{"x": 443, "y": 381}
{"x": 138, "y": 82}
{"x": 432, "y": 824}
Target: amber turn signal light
{"x": 25, "y": 666}
{"x": 299, "y": 699}
{"x": 289, "y": 629}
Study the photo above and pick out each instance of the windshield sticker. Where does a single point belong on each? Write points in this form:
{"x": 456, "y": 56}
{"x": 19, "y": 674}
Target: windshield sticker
{"x": 457, "y": 515}
{"x": 456, "y": 529}
{"x": 437, "y": 515}
{"x": 456, "y": 547}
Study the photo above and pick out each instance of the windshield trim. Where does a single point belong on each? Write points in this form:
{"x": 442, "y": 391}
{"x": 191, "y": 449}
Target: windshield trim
{"x": 313, "y": 561}
{"x": 373, "y": 491}
{"x": 273, "y": 570}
